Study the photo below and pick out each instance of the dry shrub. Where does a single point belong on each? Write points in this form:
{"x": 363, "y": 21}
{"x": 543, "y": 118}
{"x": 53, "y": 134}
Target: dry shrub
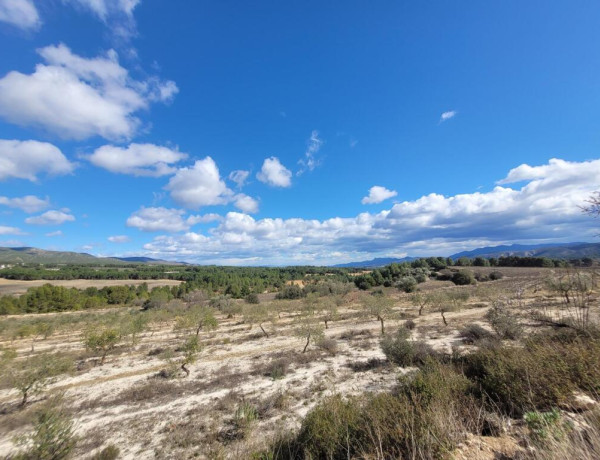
{"x": 399, "y": 350}
{"x": 426, "y": 419}
{"x": 329, "y": 345}
{"x": 540, "y": 376}
{"x": 152, "y": 389}
{"x": 473, "y": 333}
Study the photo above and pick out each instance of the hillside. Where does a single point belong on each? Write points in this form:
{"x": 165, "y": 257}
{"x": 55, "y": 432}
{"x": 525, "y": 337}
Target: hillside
{"x": 29, "y": 255}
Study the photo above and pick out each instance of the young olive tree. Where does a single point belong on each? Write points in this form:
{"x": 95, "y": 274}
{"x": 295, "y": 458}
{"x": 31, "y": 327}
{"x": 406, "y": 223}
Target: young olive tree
{"x": 101, "y": 342}
{"x": 420, "y": 300}
{"x": 308, "y": 326}
{"x": 258, "y": 314}
{"x": 329, "y": 310}
{"x": 379, "y": 307}
{"x": 197, "y": 318}
{"x": 191, "y": 347}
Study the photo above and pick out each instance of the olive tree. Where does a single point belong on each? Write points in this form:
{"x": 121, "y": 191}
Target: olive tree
{"x": 258, "y": 314}
{"x": 379, "y": 307}
{"x": 190, "y": 348}
{"x": 101, "y": 342}
{"x": 197, "y": 318}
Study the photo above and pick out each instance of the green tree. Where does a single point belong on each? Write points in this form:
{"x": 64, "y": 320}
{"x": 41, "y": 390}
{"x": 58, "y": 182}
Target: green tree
{"x": 101, "y": 342}
{"x": 380, "y": 307}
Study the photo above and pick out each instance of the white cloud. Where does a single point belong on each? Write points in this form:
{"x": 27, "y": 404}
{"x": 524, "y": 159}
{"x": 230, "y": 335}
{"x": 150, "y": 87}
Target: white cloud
{"x": 274, "y": 173}
{"x": 309, "y": 162}
{"x": 77, "y": 98}
{"x": 239, "y": 177}
{"x": 377, "y": 194}
{"x": 158, "y": 220}
{"x": 5, "y": 230}
{"x": 54, "y": 234}
{"x": 27, "y": 159}
{"x": 206, "y": 218}
{"x": 199, "y": 185}
{"x": 137, "y": 159}
{"x": 246, "y": 203}
{"x": 51, "y": 218}
{"x": 119, "y": 239}
{"x": 20, "y": 13}
{"x": 448, "y": 115}
{"x": 28, "y": 204}
{"x": 545, "y": 209}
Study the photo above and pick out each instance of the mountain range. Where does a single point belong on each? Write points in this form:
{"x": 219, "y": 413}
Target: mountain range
{"x": 29, "y": 255}
{"x": 551, "y": 250}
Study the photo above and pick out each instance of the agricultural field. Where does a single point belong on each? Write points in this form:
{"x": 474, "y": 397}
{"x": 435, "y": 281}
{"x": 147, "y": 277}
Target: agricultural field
{"x": 215, "y": 377}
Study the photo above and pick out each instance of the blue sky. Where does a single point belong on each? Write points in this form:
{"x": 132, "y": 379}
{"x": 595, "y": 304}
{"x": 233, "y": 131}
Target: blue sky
{"x": 296, "y": 132}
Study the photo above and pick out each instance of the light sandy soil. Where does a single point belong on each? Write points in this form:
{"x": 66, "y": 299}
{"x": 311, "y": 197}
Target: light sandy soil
{"x": 17, "y": 287}
{"x": 125, "y": 403}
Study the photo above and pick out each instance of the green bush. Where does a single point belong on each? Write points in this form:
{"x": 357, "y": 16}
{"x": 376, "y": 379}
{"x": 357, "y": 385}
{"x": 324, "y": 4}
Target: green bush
{"x": 252, "y": 298}
{"x": 290, "y": 293}
{"x": 110, "y": 452}
{"x": 496, "y": 275}
{"x": 399, "y": 350}
{"x": 504, "y": 323}
{"x": 473, "y": 333}
{"x": 463, "y": 278}
{"x": 428, "y": 416}
{"x": 407, "y": 284}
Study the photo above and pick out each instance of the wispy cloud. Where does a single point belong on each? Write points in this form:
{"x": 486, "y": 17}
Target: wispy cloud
{"x": 448, "y": 115}
{"x": 309, "y": 161}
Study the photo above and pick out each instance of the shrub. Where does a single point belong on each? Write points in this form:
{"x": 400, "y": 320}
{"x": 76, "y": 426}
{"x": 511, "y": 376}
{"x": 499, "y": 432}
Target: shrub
{"x": 252, "y": 298}
{"x": 473, "y": 333}
{"x": 290, "y": 293}
{"x": 518, "y": 380}
{"x": 52, "y": 436}
{"x": 496, "y": 275}
{"x": 410, "y": 324}
{"x": 426, "y": 419}
{"x": 504, "y": 323}
{"x": 463, "y": 278}
{"x": 329, "y": 345}
{"x": 403, "y": 352}
{"x": 407, "y": 284}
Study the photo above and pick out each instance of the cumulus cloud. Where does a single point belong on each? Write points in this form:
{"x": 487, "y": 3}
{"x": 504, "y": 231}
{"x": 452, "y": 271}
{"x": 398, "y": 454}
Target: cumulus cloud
{"x": 93, "y": 96}
{"x": 28, "y": 204}
{"x": 199, "y": 185}
{"x": 51, "y": 218}
{"x": 5, "y": 230}
{"x": 203, "y": 219}
{"x": 239, "y": 177}
{"x": 246, "y": 203}
{"x": 28, "y": 159}
{"x": 137, "y": 159}
{"x": 20, "y": 13}
{"x": 119, "y": 239}
{"x": 274, "y": 173}
{"x": 544, "y": 209}
{"x": 309, "y": 161}
{"x": 158, "y": 220}
{"x": 448, "y": 115}
{"x": 377, "y": 194}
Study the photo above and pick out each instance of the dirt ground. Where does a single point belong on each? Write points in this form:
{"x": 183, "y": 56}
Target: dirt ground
{"x": 18, "y": 287}
{"x": 124, "y": 402}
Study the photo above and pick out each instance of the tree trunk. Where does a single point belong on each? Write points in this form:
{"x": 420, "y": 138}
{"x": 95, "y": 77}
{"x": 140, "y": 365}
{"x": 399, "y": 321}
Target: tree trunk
{"x": 24, "y": 400}
{"x": 444, "y": 318}
{"x": 185, "y": 369}
{"x": 382, "y": 328}
{"x": 198, "y": 330}
{"x": 307, "y": 342}
{"x": 421, "y": 310}
{"x": 103, "y": 357}
{"x": 326, "y": 327}
{"x": 262, "y": 329}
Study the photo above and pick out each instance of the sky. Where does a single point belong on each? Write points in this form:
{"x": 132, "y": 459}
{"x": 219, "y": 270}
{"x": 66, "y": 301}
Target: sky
{"x": 285, "y": 133}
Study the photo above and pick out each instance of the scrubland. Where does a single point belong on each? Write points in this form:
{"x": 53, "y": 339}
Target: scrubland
{"x": 503, "y": 368}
